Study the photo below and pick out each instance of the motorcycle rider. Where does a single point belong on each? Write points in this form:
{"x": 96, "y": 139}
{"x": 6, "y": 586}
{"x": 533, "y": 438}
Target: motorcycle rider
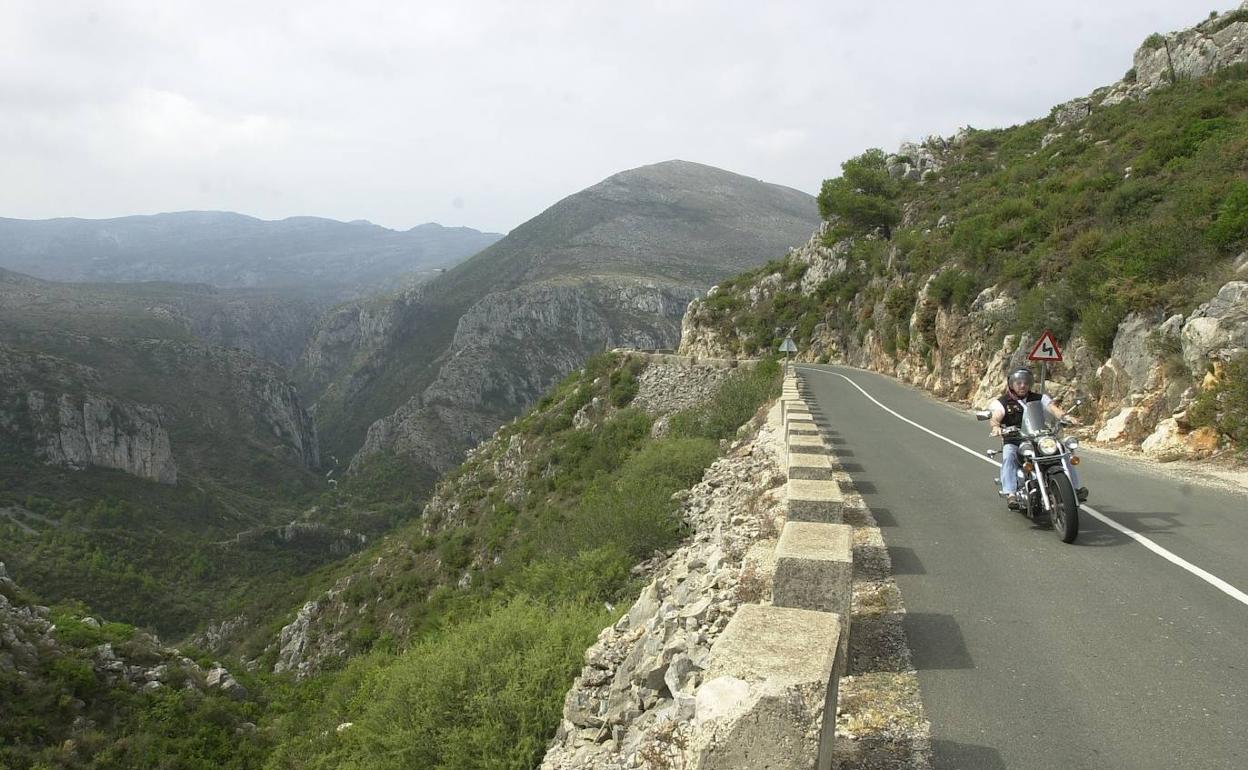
{"x": 1007, "y": 411}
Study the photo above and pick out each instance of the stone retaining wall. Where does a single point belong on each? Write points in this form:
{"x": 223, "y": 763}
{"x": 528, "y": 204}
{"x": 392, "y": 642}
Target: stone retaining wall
{"x": 672, "y": 359}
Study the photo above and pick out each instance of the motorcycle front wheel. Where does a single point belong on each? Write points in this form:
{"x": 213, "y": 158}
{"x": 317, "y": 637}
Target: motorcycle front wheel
{"x": 1065, "y": 513}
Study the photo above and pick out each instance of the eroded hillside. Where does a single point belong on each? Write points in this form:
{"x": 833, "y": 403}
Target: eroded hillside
{"x": 1118, "y": 222}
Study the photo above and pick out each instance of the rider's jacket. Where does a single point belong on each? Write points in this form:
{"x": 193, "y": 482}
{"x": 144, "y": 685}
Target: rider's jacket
{"x": 1014, "y": 412}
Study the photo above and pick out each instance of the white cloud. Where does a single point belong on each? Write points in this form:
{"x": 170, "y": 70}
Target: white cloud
{"x": 784, "y": 141}
{"x": 393, "y": 111}
{"x": 167, "y": 125}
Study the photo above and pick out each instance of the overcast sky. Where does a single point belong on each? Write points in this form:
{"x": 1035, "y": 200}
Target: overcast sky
{"x": 485, "y": 113}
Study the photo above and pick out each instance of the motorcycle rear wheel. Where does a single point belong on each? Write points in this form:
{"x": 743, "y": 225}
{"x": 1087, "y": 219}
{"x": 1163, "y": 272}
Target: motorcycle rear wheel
{"x": 1065, "y": 513}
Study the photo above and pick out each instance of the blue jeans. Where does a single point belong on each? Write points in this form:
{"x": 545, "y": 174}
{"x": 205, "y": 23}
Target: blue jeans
{"x": 1009, "y": 469}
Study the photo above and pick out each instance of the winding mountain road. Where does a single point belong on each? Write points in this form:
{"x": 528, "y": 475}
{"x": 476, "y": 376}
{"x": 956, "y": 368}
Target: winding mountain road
{"x": 1118, "y": 651}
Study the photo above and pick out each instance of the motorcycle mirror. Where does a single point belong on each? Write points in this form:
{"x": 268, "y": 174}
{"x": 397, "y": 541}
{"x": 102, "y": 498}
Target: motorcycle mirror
{"x": 983, "y": 414}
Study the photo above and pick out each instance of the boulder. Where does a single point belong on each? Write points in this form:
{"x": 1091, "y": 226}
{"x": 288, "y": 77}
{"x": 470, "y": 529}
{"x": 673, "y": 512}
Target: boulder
{"x": 1170, "y": 442}
{"x": 1132, "y": 354}
{"x": 1219, "y": 324}
{"x": 1072, "y": 111}
{"x": 1122, "y": 426}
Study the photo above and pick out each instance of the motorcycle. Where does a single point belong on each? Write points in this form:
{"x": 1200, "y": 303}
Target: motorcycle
{"x": 1045, "y": 491}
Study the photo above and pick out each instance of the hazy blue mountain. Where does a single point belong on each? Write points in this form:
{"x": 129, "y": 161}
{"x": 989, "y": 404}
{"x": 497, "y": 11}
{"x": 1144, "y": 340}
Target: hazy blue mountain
{"x": 232, "y": 250}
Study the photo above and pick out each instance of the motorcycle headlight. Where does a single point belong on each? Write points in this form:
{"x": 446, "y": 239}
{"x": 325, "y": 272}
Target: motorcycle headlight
{"x": 1071, "y": 443}
{"x": 1027, "y": 451}
{"x": 1048, "y": 445}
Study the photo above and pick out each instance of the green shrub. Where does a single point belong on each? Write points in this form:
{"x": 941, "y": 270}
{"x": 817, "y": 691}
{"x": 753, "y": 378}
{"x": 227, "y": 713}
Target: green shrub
{"x": 624, "y": 383}
{"x": 954, "y": 288}
{"x": 732, "y": 405}
{"x": 1225, "y": 406}
{"x": 863, "y": 195}
{"x": 899, "y": 302}
{"x": 1098, "y": 324}
{"x": 1231, "y": 224}
{"x": 487, "y": 693}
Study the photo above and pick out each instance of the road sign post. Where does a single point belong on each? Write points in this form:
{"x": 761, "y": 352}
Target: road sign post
{"x": 1043, "y": 352}
{"x": 787, "y": 347}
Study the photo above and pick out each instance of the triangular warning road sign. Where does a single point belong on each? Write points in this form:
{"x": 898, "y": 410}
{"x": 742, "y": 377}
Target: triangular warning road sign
{"x": 1045, "y": 349}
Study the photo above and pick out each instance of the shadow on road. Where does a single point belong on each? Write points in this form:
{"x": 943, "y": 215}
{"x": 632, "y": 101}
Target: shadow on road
{"x": 1148, "y": 523}
{"x": 948, "y": 755}
{"x": 884, "y": 517}
{"x": 905, "y": 560}
{"x": 936, "y": 642}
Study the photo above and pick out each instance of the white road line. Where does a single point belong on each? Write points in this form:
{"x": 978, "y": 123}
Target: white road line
{"x": 1173, "y": 558}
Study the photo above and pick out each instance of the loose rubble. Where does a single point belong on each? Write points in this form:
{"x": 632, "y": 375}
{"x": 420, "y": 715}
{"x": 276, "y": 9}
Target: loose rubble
{"x": 28, "y": 640}
{"x": 664, "y": 389}
{"x": 639, "y": 698}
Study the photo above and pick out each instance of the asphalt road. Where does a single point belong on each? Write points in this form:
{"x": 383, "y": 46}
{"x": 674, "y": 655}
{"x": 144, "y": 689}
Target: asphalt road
{"x": 1036, "y": 654}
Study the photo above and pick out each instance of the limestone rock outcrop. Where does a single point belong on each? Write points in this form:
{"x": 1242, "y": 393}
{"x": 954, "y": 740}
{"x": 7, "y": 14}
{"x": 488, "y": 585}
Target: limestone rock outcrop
{"x": 1152, "y": 372}
{"x": 74, "y": 415}
{"x": 511, "y": 347}
{"x": 1218, "y": 329}
{"x": 94, "y": 429}
{"x": 1216, "y": 43}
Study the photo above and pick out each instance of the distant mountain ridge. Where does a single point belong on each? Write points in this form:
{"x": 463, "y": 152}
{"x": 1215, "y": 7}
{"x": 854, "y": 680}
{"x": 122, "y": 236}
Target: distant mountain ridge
{"x": 436, "y": 368}
{"x": 231, "y": 250}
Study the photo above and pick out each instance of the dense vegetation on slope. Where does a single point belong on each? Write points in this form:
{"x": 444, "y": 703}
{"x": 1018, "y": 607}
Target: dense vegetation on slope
{"x": 501, "y": 592}
{"x": 1140, "y": 207}
{"x": 509, "y": 582}
{"x": 64, "y": 711}
{"x": 162, "y": 555}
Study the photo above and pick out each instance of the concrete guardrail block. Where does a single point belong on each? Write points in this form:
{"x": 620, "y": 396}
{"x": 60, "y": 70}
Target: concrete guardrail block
{"x": 815, "y": 500}
{"x": 814, "y": 567}
{"x": 807, "y": 443}
{"x": 768, "y": 671}
{"x": 807, "y": 465}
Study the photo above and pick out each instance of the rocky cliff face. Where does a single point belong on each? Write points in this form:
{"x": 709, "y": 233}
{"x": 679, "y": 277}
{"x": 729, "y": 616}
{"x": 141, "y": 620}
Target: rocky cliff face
{"x": 614, "y": 264}
{"x": 45, "y": 410}
{"x": 348, "y": 338}
{"x": 75, "y": 415}
{"x": 1216, "y": 43}
{"x": 97, "y": 430}
{"x": 1138, "y": 395}
{"x": 275, "y": 328}
{"x": 511, "y": 347}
